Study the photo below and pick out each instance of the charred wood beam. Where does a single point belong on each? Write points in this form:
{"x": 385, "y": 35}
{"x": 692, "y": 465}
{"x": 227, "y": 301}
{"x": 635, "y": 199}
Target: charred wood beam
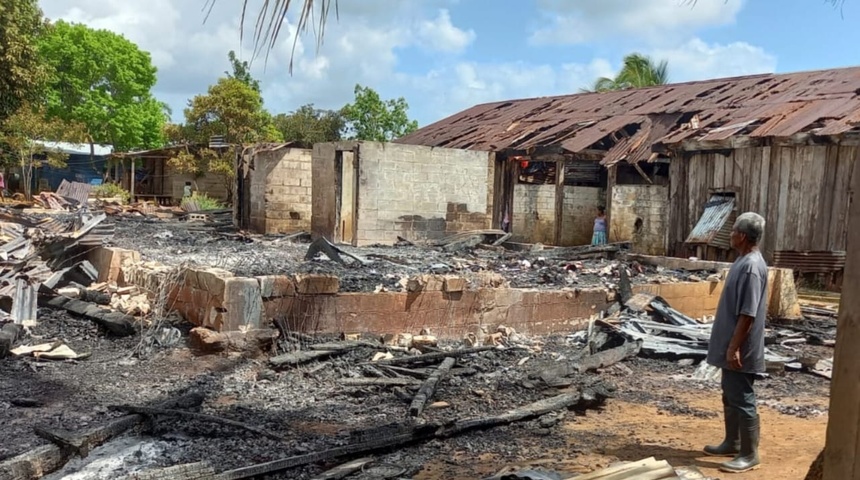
{"x": 434, "y": 357}
{"x": 151, "y": 412}
{"x": 50, "y": 458}
{"x": 116, "y": 323}
{"x": 536, "y": 409}
{"x": 608, "y": 357}
{"x": 642, "y": 173}
{"x": 379, "y": 382}
{"x": 410, "y": 435}
{"x": 344, "y": 470}
{"x": 8, "y": 336}
{"x": 188, "y": 471}
{"x": 298, "y": 358}
{"x": 425, "y": 393}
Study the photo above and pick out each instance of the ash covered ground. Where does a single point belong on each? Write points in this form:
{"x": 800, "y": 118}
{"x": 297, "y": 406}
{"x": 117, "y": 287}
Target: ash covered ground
{"x": 175, "y": 242}
{"x": 309, "y": 407}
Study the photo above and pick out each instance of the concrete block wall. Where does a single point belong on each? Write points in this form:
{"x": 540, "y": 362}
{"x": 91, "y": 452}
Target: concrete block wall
{"x": 534, "y": 214}
{"x": 580, "y": 208}
{"x": 533, "y": 218}
{"x": 448, "y": 305}
{"x": 280, "y": 191}
{"x": 646, "y": 206}
{"x": 213, "y": 185}
{"x": 419, "y": 192}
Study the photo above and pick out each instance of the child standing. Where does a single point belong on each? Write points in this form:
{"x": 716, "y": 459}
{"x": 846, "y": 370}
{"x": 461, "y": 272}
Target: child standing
{"x": 599, "y": 236}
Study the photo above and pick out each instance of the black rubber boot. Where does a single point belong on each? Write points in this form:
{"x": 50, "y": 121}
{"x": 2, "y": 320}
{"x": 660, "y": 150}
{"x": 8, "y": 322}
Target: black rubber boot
{"x": 747, "y": 459}
{"x": 731, "y": 444}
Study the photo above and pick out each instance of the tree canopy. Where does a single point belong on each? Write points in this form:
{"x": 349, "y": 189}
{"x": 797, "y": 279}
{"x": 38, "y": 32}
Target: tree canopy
{"x": 27, "y": 134}
{"x": 22, "y": 72}
{"x": 231, "y": 109}
{"x": 242, "y": 71}
{"x": 371, "y": 118}
{"x": 102, "y": 81}
{"x": 637, "y": 71}
{"x": 308, "y": 125}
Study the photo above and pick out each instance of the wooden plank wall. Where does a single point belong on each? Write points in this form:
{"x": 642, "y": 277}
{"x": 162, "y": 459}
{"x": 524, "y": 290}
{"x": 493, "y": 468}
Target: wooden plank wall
{"x": 802, "y": 191}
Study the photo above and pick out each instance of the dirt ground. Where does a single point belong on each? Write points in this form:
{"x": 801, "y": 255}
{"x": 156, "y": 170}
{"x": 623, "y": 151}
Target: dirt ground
{"x": 628, "y": 430}
{"x": 657, "y": 410}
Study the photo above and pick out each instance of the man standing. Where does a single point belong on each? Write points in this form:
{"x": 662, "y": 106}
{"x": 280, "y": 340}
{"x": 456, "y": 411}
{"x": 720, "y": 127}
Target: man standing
{"x": 737, "y": 345}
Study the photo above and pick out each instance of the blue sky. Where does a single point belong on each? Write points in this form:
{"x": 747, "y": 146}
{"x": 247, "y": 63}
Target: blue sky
{"x": 447, "y": 55}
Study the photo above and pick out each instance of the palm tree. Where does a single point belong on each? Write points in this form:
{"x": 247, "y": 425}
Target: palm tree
{"x": 638, "y": 71}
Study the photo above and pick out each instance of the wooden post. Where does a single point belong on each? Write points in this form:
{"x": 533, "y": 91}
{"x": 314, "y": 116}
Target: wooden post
{"x": 611, "y": 179}
{"x": 131, "y": 182}
{"x": 842, "y": 451}
{"x": 559, "y": 200}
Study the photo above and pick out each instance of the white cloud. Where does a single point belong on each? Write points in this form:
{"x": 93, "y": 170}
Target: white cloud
{"x": 361, "y": 47}
{"x": 443, "y": 35}
{"x": 584, "y": 21}
{"x": 697, "y": 60}
{"x": 372, "y": 42}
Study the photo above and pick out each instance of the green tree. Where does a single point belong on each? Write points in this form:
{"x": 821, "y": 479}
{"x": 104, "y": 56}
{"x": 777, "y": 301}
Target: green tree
{"x": 371, "y": 118}
{"x": 104, "y": 82}
{"x": 25, "y": 135}
{"x": 231, "y": 109}
{"x": 22, "y": 72}
{"x": 637, "y": 71}
{"x": 242, "y": 72}
{"x": 308, "y": 125}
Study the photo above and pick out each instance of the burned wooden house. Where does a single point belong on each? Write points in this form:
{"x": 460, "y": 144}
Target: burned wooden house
{"x": 675, "y": 164}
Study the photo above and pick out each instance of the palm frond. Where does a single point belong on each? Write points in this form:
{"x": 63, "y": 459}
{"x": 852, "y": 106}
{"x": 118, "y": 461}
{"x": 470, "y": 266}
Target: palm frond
{"x": 271, "y": 17}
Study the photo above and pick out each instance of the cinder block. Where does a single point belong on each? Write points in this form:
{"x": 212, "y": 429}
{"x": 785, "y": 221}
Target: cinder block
{"x": 309, "y": 284}
{"x": 272, "y": 286}
{"x": 454, "y": 284}
{"x": 425, "y": 283}
{"x": 212, "y": 280}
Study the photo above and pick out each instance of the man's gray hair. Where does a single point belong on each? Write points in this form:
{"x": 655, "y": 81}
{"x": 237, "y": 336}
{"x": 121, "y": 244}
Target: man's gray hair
{"x": 750, "y": 224}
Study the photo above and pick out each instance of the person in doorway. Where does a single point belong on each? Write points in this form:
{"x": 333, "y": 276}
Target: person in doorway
{"x": 737, "y": 345}
{"x": 599, "y": 235}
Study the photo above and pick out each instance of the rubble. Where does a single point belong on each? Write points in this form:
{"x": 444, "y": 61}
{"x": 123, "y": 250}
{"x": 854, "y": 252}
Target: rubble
{"x": 293, "y": 405}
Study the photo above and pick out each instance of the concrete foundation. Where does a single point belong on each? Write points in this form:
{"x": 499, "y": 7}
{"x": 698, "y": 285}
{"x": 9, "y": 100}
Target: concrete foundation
{"x": 447, "y": 305}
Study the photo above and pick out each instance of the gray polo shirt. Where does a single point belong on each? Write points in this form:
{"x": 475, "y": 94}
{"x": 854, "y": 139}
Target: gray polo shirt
{"x": 744, "y": 293}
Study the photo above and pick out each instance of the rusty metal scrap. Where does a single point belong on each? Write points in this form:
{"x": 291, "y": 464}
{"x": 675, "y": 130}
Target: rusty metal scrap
{"x": 710, "y": 229}
{"x": 823, "y": 102}
{"x": 810, "y": 262}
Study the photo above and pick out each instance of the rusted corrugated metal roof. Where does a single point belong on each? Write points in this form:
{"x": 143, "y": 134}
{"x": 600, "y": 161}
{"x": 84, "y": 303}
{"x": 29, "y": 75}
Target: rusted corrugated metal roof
{"x": 809, "y": 262}
{"x": 823, "y": 102}
{"x": 714, "y": 220}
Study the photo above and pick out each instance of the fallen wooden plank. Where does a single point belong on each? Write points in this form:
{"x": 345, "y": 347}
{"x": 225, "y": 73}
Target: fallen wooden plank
{"x": 630, "y": 470}
{"x": 435, "y": 356}
{"x": 344, "y": 470}
{"x": 379, "y": 382}
{"x": 428, "y": 388}
{"x": 8, "y": 336}
{"x": 150, "y": 411}
{"x": 64, "y": 439}
{"x": 188, "y": 471}
{"x": 49, "y": 458}
{"x": 608, "y": 357}
{"x": 415, "y": 434}
{"x": 300, "y": 357}
{"x": 536, "y": 409}
{"x": 116, "y": 323}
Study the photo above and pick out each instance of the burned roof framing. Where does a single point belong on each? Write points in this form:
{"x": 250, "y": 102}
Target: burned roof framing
{"x": 632, "y": 124}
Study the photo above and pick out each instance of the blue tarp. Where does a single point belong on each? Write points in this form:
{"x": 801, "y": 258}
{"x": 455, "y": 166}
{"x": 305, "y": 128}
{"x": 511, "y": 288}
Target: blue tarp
{"x": 79, "y": 169}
